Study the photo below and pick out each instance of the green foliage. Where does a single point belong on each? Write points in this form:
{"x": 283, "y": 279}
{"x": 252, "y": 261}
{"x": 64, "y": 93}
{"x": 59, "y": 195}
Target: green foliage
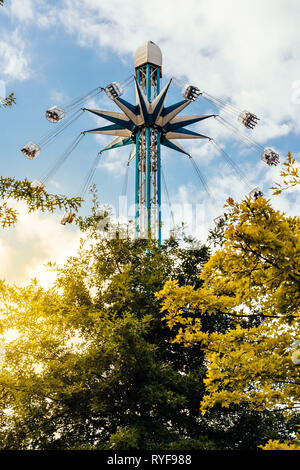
{"x": 36, "y": 199}
{"x": 287, "y": 445}
{"x": 94, "y": 367}
{"x": 216, "y": 236}
{"x": 253, "y": 279}
{"x": 290, "y": 175}
{"x": 8, "y": 101}
{"x": 116, "y": 389}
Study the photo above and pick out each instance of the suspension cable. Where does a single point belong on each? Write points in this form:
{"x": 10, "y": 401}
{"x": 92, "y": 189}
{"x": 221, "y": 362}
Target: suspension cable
{"x": 62, "y": 158}
{"x": 92, "y": 94}
{"x": 47, "y": 136}
{"x": 245, "y": 138}
{"x": 202, "y": 180}
{"x": 89, "y": 177}
{"x": 220, "y": 103}
{"x": 47, "y": 139}
{"x": 74, "y": 113}
{"x": 224, "y": 109}
{"x": 126, "y": 82}
{"x": 240, "y": 174}
{"x": 79, "y": 101}
{"x": 224, "y": 105}
{"x": 168, "y": 198}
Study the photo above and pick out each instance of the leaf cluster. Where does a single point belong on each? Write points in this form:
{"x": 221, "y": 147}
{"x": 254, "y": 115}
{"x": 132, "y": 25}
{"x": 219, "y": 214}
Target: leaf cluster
{"x": 35, "y": 199}
{"x": 254, "y": 280}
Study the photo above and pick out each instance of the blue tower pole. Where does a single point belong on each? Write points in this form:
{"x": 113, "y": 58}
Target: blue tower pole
{"x": 148, "y": 154}
{"x": 148, "y": 182}
{"x": 137, "y": 174}
{"x": 148, "y": 125}
{"x": 158, "y": 167}
{"x": 159, "y": 188}
{"x": 137, "y": 184}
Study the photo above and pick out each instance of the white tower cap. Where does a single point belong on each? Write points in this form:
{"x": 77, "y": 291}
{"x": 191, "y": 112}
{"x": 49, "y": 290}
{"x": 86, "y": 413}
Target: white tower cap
{"x": 148, "y": 53}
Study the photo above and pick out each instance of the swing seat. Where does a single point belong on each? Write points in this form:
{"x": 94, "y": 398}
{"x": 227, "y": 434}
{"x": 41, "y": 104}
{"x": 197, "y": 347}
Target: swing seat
{"x": 114, "y": 90}
{"x": 55, "y": 114}
{"x": 31, "y": 150}
{"x": 68, "y": 218}
{"x": 270, "y": 157}
{"x": 256, "y": 193}
{"x": 219, "y": 221}
{"x": 191, "y": 92}
{"x": 248, "y": 119}
{"x": 37, "y": 185}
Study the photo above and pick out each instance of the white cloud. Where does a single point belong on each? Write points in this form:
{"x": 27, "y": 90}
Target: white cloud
{"x": 31, "y": 11}
{"x": 14, "y": 60}
{"x": 245, "y": 51}
{"x": 22, "y": 10}
{"x": 231, "y": 49}
{"x": 36, "y": 239}
{"x": 114, "y": 161}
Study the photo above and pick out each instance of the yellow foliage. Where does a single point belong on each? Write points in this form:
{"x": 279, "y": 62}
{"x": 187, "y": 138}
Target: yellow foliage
{"x": 254, "y": 279}
{"x": 276, "y": 445}
{"x": 290, "y": 175}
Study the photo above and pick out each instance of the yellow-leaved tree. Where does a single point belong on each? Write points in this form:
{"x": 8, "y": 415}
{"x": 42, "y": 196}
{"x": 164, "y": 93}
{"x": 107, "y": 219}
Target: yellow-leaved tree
{"x": 254, "y": 279}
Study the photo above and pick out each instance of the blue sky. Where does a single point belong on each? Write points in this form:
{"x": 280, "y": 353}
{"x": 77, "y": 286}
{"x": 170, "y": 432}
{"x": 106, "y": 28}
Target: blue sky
{"x": 53, "y": 52}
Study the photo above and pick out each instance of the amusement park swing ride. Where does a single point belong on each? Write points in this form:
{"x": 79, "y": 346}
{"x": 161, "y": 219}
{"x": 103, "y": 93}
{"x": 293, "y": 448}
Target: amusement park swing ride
{"x": 147, "y": 126}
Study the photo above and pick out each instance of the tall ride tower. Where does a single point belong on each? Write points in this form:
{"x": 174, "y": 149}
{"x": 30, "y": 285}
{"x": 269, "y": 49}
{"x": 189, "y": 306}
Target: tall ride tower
{"x": 148, "y": 72}
{"x": 146, "y": 126}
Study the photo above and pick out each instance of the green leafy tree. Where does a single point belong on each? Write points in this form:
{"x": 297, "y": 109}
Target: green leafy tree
{"x": 254, "y": 279}
{"x": 35, "y": 199}
{"x": 293, "y": 444}
{"x": 118, "y": 388}
{"x": 95, "y": 367}
{"x": 290, "y": 175}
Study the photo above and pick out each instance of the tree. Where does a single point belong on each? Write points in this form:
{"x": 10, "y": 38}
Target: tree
{"x": 95, "y": 367}
{"x": 253, "y": 279}
{"x": 8, "y": 101}
{"x": 290, "y": 175}
{"x": 35, "y": 198}
{"x": 116, "y": 388}
{"x": 287, "y": 445}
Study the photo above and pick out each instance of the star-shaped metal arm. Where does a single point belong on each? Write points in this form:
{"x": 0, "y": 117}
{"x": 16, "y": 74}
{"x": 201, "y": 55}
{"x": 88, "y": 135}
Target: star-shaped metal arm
{"x": 145, "y": 114}
{"x": 146, "y": 126}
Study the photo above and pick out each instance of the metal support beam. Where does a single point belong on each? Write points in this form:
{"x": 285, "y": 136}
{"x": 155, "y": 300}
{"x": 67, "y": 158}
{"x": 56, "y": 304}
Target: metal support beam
{"x": 159, "y": 219}
{"x": 148, "y": 182}
{"x": 137, "y": 185}
{"x": 148, "y": 179}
